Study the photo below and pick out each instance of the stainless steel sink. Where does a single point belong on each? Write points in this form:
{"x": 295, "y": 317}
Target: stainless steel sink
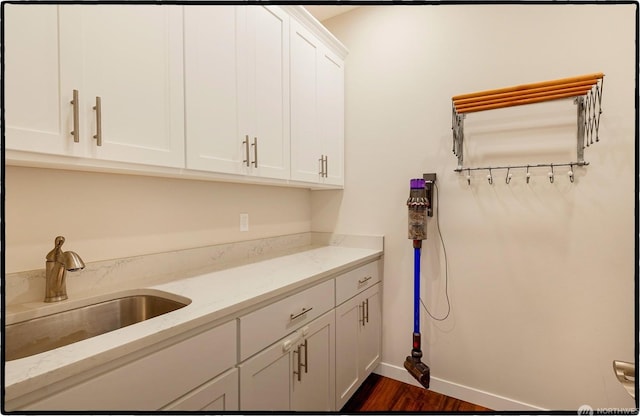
{"x": 45, "y": 333}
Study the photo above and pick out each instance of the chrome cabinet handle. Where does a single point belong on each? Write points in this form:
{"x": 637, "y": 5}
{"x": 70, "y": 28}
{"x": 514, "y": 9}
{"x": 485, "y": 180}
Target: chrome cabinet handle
{"x": 299, "y": 314}
{"x": 306, "y": 356}
{"x": 76, "y": 118}
{"x": 321, "y": 160}
{"x": 366, "y": 303}
{"x": 365, "y": 280}
{"x": 98, "y": 108}
{"x": 299, "y": 372}
{"x": 300, "y": 365}
{"x": 255, "y": 151}
{"x": 326, "y": 166}
{"x": 361, "y": 306}
{"x": 245, "y": 142}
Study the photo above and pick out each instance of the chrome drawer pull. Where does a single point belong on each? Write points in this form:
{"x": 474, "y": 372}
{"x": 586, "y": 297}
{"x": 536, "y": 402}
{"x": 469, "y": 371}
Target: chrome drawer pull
{"x": 365, "y": 280}
{"x": 299, "y": 314}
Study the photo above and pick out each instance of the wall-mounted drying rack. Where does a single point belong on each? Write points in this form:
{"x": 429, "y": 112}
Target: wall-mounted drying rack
{"x": 587, "y": 90}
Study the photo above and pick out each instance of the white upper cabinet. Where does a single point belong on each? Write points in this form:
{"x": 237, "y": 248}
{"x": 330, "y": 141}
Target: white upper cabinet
{"x": 317, "y": 110}
{"x": 306, "y": 149}
{"x": 267, "y": 105}
{"x": 331, "y": 116}
{"x": 37, "y": 111}
{"x": 211, "y": 52}
{"x": 130, "y": 57}
{"x": 127, "y": 57}
{"x": 237, "y": 94}
{"x": 244, "y": 92}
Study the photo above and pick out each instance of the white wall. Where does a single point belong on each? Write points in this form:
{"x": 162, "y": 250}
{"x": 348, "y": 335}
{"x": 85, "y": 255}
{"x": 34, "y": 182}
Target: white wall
{"x": 541, "y": 276}
{"x": 108, "y": 216}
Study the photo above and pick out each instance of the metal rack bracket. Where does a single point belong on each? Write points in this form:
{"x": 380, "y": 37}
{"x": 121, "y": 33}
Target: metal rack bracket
{"x": 587, "y": 90}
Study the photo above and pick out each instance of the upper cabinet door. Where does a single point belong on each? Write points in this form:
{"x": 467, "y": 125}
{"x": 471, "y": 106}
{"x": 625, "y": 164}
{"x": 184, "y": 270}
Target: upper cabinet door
{"x": 266, "y": 103}
{"x": 331, "y": 115}
{"x": 317, "y": 110}
{"x": 38, "y": 112}
{"x": 129, "y": 57}
{"x": 306, "y": 148}
{"x": 212, "y": 88}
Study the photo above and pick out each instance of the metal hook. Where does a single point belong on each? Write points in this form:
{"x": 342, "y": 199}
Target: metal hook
{"x": 490, "y": 177}
{"x": 551, "y": 173}
{"x": 469, "y": 176}
{"x": 571, "y": 172}
{"x": 528, "y": 174}
{"x": 508, "y": 177}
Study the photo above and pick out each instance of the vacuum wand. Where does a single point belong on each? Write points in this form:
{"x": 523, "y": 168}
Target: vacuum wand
{"x": 418, "y": 205}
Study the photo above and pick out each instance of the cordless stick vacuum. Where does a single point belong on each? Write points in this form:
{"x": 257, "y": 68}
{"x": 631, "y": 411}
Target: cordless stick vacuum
{"x": 419, "y": 206}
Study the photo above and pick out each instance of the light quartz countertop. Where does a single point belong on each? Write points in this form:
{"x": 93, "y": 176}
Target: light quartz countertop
{"x": 216, "y": 297}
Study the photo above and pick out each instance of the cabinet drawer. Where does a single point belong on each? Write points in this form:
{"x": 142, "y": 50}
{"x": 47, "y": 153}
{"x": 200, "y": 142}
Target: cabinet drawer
{"x": 267, "y": 325}
{"x": 151, "y": 382}
{"x": 351, "y": 283}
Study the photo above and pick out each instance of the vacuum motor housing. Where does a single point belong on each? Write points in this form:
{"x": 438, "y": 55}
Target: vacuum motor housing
{"x": 418, "y": 205}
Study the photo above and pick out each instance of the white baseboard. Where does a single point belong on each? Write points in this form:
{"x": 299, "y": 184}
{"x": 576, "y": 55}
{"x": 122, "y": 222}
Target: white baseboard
{"x": 458, "y": 391}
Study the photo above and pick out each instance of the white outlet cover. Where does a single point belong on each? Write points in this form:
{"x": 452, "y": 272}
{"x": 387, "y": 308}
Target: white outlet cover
{"x": 244, "y": 222}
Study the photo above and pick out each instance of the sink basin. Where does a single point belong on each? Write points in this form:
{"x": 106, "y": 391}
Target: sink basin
{"x": 45, "y": 333}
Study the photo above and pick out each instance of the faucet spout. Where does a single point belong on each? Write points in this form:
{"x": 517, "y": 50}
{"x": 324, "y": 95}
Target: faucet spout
{"x": 57, "y": 265}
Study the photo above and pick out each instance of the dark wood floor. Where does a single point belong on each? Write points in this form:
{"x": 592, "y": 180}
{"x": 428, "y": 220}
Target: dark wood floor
{"x": 382, "y": 394}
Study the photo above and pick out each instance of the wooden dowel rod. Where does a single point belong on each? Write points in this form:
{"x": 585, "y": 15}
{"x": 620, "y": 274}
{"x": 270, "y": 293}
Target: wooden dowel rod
{"x": 576, "y": 91}
{"x": 515, "y": 103}
{"x": 478, "y": 100}
{"x": 529, "y": 86}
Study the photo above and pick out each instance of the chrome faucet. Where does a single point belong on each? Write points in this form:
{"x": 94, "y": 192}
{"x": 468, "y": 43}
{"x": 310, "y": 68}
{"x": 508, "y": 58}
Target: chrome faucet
{"x": 58, "y": 262}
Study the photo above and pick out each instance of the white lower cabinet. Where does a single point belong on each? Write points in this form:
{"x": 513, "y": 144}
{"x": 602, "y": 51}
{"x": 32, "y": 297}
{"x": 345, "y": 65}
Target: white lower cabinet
{"x": 220, "y": 394}
{"x": 316, "y": 367}
{"x": 151, "y": 382}
{"x": 297, "y": 353}
{"x": 358, "y": 341}
{"x": 296, "y": 373}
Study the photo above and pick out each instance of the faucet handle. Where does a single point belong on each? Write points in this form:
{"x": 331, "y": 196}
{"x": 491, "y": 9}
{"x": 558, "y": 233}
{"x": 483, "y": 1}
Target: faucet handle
{"x": 56, "y": 253}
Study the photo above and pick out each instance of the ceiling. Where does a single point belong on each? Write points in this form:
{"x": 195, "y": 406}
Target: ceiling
{"x": 325, "y": 12}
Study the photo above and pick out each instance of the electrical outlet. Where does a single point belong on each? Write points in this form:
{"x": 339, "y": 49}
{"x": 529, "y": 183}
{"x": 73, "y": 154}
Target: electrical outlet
{"x": 244, "y": 222}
